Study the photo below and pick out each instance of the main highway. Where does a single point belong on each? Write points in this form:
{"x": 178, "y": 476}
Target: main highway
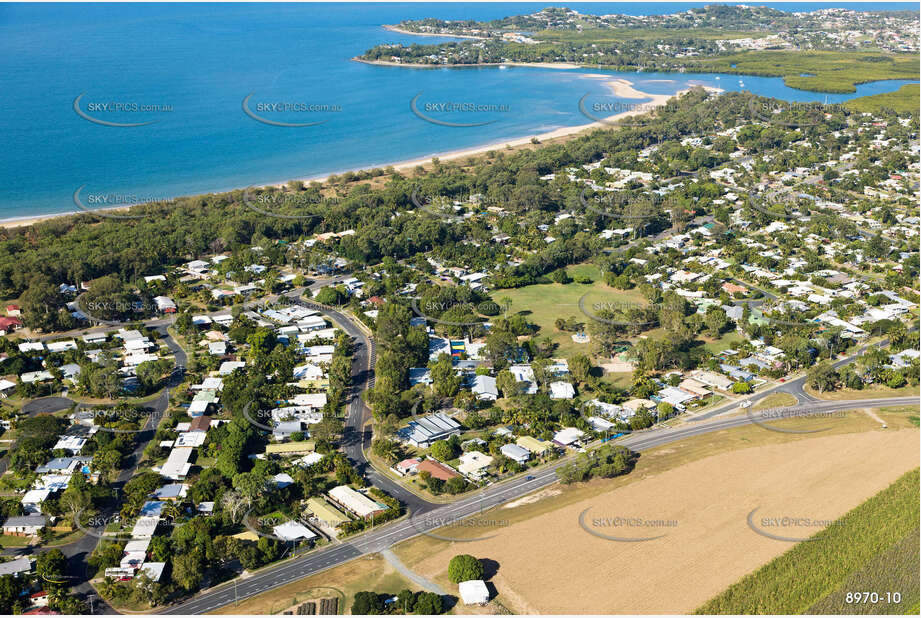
{"x": 424, "y": 516}
{"x": 415, "y": 524}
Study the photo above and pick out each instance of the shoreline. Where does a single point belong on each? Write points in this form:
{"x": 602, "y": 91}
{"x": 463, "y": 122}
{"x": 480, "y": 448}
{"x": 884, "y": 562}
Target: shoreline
{"x": 622, "y": 88}
{"x": 393, "y": 28}
{"x": 409, "y": 65}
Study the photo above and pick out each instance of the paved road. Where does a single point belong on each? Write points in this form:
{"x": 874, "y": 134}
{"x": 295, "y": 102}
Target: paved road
{"x": 402, "y": 569}
{"x": 377, "y": 540}
{"x": 792, "y": 386}
{"x": 80, "y": 550}
{"x": 355, "y": 436}
{"x": 424, "y": 515}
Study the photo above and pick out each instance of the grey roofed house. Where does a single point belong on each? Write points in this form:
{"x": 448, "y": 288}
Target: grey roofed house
{"x": 15, "y": 567}
{"x": 484, "y": 387}
{"x": 733, "y": 312}
{"x": 25, "y": 523}
{"x": 63, "y": 464}
{"x": 466, "y": 365}
{"x": 284, "y": 429}
{"x": 736, "y": 372}
{"x": 171, "y": 491}
{"x": 903, "y": 358}
{"x": 515, "y": 452}
{"x": 757, "y": 362}
{"x": 428, "y": 429}
{"x": 70, "y": 370}
{"x": 419, "y": 375}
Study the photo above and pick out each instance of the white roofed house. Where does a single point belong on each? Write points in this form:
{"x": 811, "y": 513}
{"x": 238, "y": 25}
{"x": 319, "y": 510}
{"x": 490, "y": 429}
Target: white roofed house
{"x": 310, "y": 400}
{"x": 562, "y": 390}
{"x": 223, "y": 319}
{"x": 32, "y": 501}
{"x": 177, "y": 465}
{"x": 209, "y": 384}
{"x": 285, "y": 429}
{"x": 309, "y": 372}
{"x": 62, "y": 346}
{"x": 94, "y": 337}
{"x": 473, "y": 464}
{"x": 599, "y": 424}
{"x": 676, "y": 396}
{"x": 524, "y": 375}
{"x": 473, "y": 592}
{"x": 35, "y": 376}
{"x": 165, "y": 304}
{"x": 74, "y": 444}
{"x": 568, "y": 436}
{"x": 293, "y": 531}
{"x": 354, "y": 501}
{"x": 201, "y": 320}
{"x": 6, "y": 386}
{"x": 145, "y": 527}
{"x": 311, "y": 323}
{"x": 608, "y": 409}
{"x": 228, "y": 367}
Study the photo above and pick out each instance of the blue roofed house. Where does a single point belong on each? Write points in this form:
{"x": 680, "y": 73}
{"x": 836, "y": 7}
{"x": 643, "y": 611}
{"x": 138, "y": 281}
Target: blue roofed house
{"x": 737, "y": 373}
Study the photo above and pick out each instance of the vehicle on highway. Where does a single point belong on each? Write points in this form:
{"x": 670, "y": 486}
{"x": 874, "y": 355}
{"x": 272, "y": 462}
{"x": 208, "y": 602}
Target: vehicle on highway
{"x": 745, "y": 404}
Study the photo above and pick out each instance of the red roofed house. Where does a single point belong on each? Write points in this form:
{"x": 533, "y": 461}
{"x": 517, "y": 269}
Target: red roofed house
{"x": 732, "y": 288}
{"x": 407, "y": 466}
{"x": 437, "y": 469}
{"x": 8, "y": 325}
{"x": 13, "y": 310}
{"x": 39, "y": 599}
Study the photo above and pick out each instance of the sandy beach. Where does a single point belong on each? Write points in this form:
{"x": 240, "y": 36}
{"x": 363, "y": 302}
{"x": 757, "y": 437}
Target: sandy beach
{"x": 444, "y": 36}
{"x": 621, "y": 88}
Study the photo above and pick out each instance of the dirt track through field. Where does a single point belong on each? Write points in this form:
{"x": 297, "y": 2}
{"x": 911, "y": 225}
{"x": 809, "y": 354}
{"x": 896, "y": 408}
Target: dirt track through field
{"x": 550, "y": 564}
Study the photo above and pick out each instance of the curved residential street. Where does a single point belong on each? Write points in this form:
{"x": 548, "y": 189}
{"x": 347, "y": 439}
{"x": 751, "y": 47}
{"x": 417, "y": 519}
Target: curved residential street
{"x": 357, "y": 437}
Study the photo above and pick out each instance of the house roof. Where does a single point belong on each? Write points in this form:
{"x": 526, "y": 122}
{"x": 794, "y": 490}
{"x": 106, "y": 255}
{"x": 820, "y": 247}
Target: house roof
{"x": 326, "y": 512}
{"x": 514, "y": 451}
{"x": 473, "y": 592}
{"x": 292, "y": 531}
{"x": 14, "y": 567}
{"x": 25, "y": 521}
{"x": 437, "y": 469}
{"x": 533, "y": 444}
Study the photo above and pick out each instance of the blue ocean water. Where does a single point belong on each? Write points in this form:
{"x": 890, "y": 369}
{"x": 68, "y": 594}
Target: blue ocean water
{"x": 194, "y": 64}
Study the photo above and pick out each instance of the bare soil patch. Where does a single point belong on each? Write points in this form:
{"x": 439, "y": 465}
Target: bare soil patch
{"x": 550, "y": 564}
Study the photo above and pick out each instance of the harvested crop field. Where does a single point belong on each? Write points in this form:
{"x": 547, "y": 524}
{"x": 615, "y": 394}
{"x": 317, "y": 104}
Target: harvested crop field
{"x": 700, "y": 511}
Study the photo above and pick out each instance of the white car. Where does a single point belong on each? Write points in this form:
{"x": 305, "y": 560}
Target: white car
{"x": 745, "y": 404}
